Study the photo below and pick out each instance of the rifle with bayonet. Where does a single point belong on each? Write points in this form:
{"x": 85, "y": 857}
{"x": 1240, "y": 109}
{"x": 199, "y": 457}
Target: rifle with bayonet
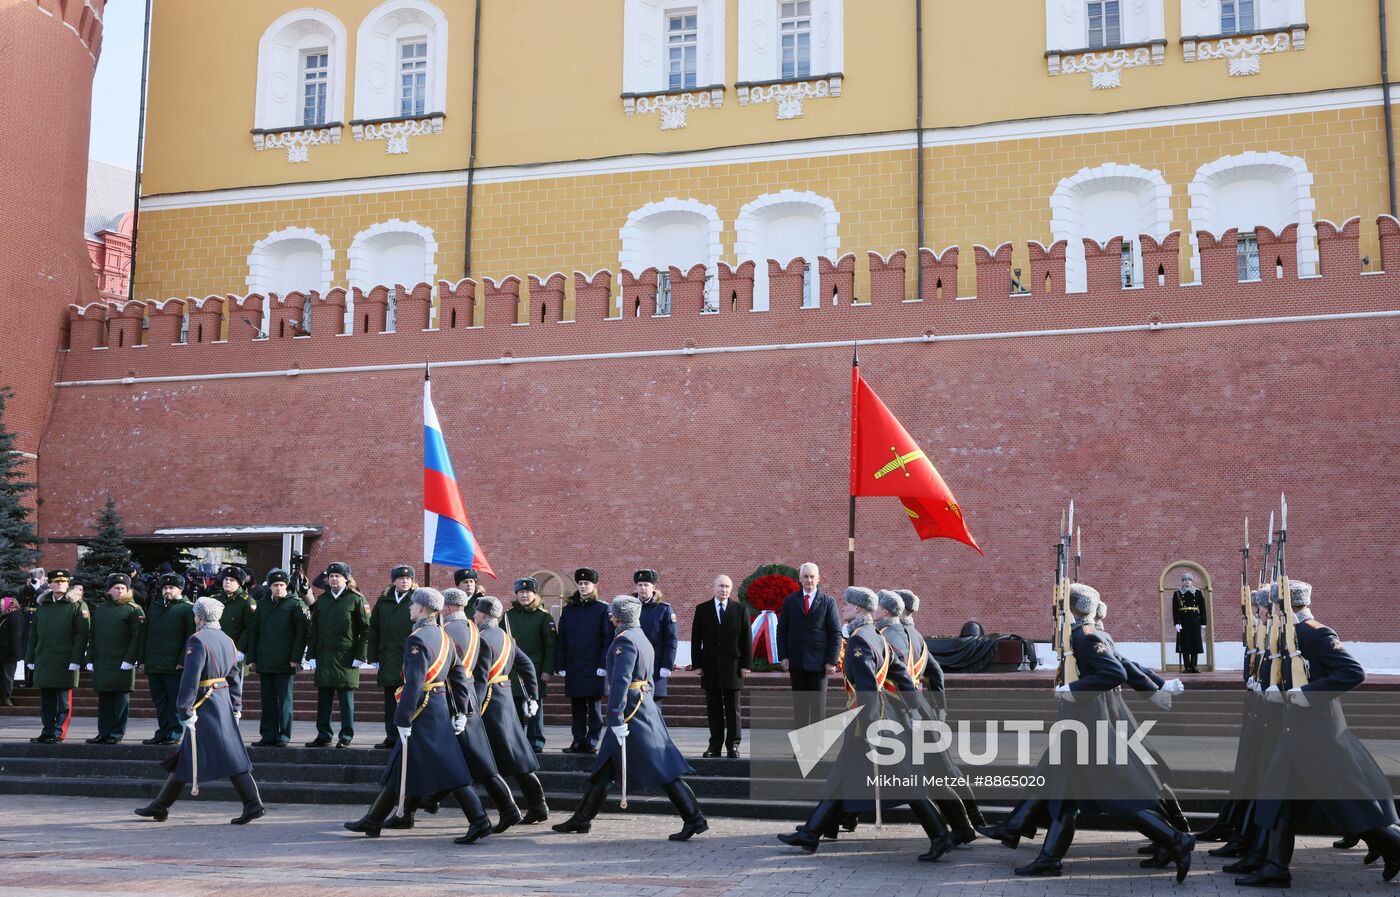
{"x": 1068, "y": 671}
{"x": 1297, "y": 673}
{"x": 1261, "y": 629}
{"x": 1246, "y": 612}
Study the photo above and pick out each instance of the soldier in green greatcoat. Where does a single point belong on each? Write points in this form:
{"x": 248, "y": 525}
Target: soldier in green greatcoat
{"x": 58, "y": 637}
{"x": 533, "y": 629}
{"x": 389, "y": 629}
{"x": 169, "y": 624}
{"x": 239, "y": 609}
{"x": 336, "y": 643}
{"x": 114, "y": 650}
{"x": 276, "y": 645}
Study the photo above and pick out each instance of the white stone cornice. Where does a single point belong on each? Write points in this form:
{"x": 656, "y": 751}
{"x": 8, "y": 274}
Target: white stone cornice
{"x": 1105, "y": 67}
{"x": 395, "y": 132}
{"x": 672, "y": 107}
{"x": 1242, "y": 52}
{"x": 788, "y": 95}
{"x": 297, "y": 143}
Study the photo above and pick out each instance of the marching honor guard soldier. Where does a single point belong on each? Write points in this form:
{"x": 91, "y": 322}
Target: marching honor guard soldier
{"x": 58, "y": 637}
{"x": 532, "y": 627}
{"x": 499, "y": 656}
{"x": 209, "y": 702}
{"x": 276, "y": 644}
{"x": 659, "y": 626}
{"x": 433, "y": 708}
{"x": 636, "y": 746}
{"x": 239, "y": 609}
{"x": 721, "y": 649}
{"x": 581, "y": 649}
{"x": 1315, "y": 743}
{"x": 169, "y": 625}
{"x": 114, "y": 650}
{"x": 389, "y": 626}
{"x": 1188, "y": 613}
{"x": 336, "y": 643}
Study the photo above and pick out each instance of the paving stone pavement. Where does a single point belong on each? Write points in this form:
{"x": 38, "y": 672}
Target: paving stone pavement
{"x": 54, "y": 846}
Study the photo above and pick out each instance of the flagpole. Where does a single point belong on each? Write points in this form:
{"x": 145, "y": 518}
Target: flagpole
{"x": 851, "y": 532}
{"x": 427, "y": 565}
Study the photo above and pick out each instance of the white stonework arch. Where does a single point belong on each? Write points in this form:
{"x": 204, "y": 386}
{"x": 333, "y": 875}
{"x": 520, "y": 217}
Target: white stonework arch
{"x": 278, "y": 100}
{"x": 376, "y": 57}
{"x": 1110, "y": 200}
{"x": 680, "y": 232}
{"x": 294, "y": 258}
{"x": 389, "y": 253}
{"x": 1252, "y": 190}
{"x": 783, "y": 226}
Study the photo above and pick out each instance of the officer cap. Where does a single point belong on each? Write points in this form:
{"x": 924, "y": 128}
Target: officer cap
{"x": 455, "y": 598}
{"x": 339, "y": 567}
{"x": 890, "y": 601}
{"x": 527, "y": 584}
{"x": 59, "y": 573}
{"x": 862, "y": 598}
{"x": 490, "y": 606}
{"x": 430, "y": 598}
{"x": 911, "y": 601}
{"x": 627, "y": 609}
{"x": 463, "y": 575}
{"x": 118, "y": 579}
{"x": 646, "y": 576}
{"x": 278, "y": 575}
{"x": 586, "y": 574}
{"x": 401, "y": 570}
{"x": 1083, "y": 599}
{"x": 172, "y": 579}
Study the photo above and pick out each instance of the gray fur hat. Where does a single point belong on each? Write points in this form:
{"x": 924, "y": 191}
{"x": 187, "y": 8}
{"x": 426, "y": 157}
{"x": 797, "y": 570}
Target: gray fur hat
{"x": 862, "y": 598}
{"x": 1273, "y": 593}
{"x": 1101, "y": 612}
{"x": 430, "y": 598}
{"x": 211, "y": 610}
{"x": 1259, "y": 597}
{"x": 1299, "y": 593}
{"x": 455, "y": 598}
{"x": 627, "y": 609}
{"x": 490, "y": 606}
{"x": 1083, "y": 599}
{"x": 890, "y": 601}
{"x": 911, "y": 601}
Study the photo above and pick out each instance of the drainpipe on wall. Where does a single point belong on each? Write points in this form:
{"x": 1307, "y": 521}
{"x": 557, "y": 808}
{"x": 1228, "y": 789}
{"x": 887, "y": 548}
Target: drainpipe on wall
{"x": 471, "y": 157}
{"x": 1385, "y": 95}
{"x": 140, "y": 154}
{"x": 919, "y": 138}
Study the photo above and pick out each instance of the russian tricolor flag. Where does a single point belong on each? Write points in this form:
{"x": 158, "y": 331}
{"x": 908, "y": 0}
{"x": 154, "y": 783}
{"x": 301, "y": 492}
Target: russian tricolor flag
{"x": 447, "y": 534}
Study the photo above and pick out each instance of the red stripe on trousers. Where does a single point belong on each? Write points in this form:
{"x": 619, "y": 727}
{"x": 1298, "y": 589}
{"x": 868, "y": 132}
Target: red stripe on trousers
{"x": 63, "y": 729}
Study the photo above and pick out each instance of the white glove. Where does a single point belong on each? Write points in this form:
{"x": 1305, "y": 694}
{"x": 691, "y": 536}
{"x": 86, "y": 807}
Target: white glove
{"x": 311, "y": 664}
{"x": 88, "y": 667}
{"x": 1064, "y": 694}
{"x": 560, "y": 674}
{"x": 1252, "y": 684}
{"x": 600, "y": 672}
{"x": 531, "y": 707}
{"x": 128, "y": 666}
{"x": 190, "y": 720}
{"x": 459, "y": 724}
{"x": 1178, "y": 627}
{"x": 619, "y": 732}
{"x": 1162, "y": 698}
{"x": 372, "y": 666}
{"x": 1273, "y": 695}
{"x": 72, "y": 668}
{"x": 664, "y": 673}
{"x": 239, "y": 657}
{"x": 356, "y": 664}
{"x": 405, "y": 731}
{"x": 29, "y": 666}
{"x": 1174, "y": 686}
{"x": 238, "y": 714}
{"x": 1299, "y": 697}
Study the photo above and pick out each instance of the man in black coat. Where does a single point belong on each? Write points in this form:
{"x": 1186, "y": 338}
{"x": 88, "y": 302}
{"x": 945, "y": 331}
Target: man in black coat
{"x": 722, "y": 650}
{"x": 1188, "y": 614}
{"x": 809, "y": 641}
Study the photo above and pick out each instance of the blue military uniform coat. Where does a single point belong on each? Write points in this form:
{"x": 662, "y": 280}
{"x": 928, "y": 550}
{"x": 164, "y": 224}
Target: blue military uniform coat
{"x": 581, "y": 646}
{"x": 435, "y": 689}
{"x": 653, "y": 760}
{"x": 510, "y": 747}
{"x": 211, "y": 687}
{"x": 476, "y": 747}
{"x": 658, "y": 624}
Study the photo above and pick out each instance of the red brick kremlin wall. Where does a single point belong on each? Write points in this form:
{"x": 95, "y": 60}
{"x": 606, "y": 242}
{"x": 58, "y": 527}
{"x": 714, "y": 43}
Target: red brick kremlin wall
{"x": 697, "y": 461}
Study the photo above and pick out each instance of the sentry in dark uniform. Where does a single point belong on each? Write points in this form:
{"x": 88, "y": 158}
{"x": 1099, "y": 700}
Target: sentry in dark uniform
{"x": 114, "y": 650}
{"x": 1315, "y": 736}
{"x": 433, "y": 706}
{"x": 169, "y": 625}
{"x": 636, "y": 743}
{"x": 389, "y": 627}
{"x": 209, "y": 703}
{"x": 659, "y": 626}
{"x": 58, "y": 637}
{"x": 1188, "y": 614}
{"x": 276, "y": 645}
{"x": 580, "y": 652}
{"x": 497, "y": 658}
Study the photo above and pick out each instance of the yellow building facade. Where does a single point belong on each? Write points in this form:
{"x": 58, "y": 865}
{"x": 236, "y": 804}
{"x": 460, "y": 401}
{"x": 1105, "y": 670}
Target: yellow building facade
{"x": 292, "y": 147}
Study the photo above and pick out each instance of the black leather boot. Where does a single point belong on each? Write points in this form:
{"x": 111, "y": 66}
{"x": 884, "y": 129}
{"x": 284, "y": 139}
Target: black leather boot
{"x": 974, "y": 812}
{"x": 1016, "y": 826}
{"x": 1171, "y": 811}
{"x": 1058, "y": 838}
{"x": 1273, "y": 872}
{"x": 1346, "y": 842}
{"x": 849, "y": 822}
{"x": 1225, "y": 824}
{"x": 159, "y": 809}
{"x": 404, "y": 821}
{"x": 433, "y": 802}
{"x": 475, "y": 813}
{"x": 499, "y": 792}
{"x": 940, "y": 839}
{"x": 536, "y": 808}
{"x": 1251, "y": 855}
{"x": 808, "y": 836}
{"x": 955, "y": 814}
{"x": 683, "y": 799}
{"x": 373, "y": 820}
{"x": 247, "y": 790}
{"x": 1386, "y": 841}
{"x": 1178, "y": 844}
{"x": 587, "y": 808}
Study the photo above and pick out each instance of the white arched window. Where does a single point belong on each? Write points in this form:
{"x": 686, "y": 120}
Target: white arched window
{"x": 680, "y": 232}
{"x": 784, "y": 226}
{"x": 389, "y": 253}
{"x": 401, "y": 61}
{"x": 1104, "y": 202}
{"x": 672, "y": 45}
{"x": 292, "y": 259}
{"x": 1253, "y": 190}
{"x": 301, "y": 72}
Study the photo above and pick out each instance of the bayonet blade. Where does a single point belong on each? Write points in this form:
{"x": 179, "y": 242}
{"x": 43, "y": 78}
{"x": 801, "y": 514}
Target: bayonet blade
{"x": 1283, "y": 516}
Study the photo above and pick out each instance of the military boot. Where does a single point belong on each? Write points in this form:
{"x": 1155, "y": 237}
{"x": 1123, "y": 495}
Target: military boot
{"x": 955, "y": 814}
{"x": 1179, "y": 845}
{"x": 808, "y": 836}
{"x": 159, "y": 809}
{"x": 683, "y": 799}
{"x": 373, "y": 820}
{"x": 499, "y": 792}
{"x": 247, "y": 790}
{"x": 940, "y": 839}
{"x": 1058, "y": 838}
{"x": 582, "y": 820}
{"x": 476, "y": 815}
{"x": 536, "y": 807}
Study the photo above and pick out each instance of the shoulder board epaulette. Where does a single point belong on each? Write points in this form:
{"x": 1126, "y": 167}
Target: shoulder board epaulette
{"x": 1314, "y": 624}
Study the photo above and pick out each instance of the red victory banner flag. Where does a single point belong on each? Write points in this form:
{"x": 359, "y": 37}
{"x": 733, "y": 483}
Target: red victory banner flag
{"x": 885, "y": 460}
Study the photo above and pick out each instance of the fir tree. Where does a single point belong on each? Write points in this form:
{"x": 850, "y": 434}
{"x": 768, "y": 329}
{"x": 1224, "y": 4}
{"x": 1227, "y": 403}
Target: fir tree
{"x": 18, "y": 540}
{"x": 106, "y": 553}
